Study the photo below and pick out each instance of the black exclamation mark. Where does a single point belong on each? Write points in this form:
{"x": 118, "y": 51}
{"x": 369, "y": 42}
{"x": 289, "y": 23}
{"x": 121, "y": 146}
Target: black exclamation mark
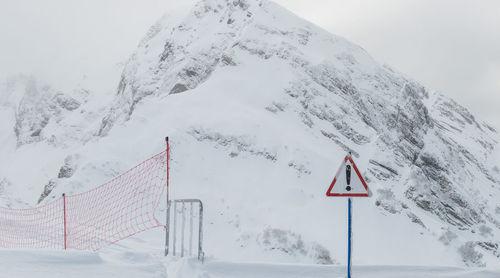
{"x": 348, "y": 177}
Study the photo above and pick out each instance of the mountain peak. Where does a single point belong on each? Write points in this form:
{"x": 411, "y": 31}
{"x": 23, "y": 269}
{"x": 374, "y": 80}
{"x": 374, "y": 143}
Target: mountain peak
{"x": 217, "y": 5}
{"x": 177, "y": 56}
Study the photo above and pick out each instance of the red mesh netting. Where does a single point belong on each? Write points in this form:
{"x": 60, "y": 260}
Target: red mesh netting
{"x": 91, "y": 220}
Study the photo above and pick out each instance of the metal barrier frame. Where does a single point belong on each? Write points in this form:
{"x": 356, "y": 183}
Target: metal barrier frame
{"x": 183, "y": 203}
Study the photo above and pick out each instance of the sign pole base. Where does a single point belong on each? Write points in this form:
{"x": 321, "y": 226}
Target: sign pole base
{"x": 349, "y": 237}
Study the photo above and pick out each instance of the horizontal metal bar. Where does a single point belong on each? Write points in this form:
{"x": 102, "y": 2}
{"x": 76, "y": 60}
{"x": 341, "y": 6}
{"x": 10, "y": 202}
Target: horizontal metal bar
{"x": 187, "y": 201}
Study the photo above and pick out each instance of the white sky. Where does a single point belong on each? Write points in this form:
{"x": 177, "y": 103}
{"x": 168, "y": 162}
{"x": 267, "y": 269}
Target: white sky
{"x": 449, "y": 45}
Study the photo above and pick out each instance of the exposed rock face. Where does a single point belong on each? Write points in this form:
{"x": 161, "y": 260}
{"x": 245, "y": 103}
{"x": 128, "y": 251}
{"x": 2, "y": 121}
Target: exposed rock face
{"x": 69, "y": 167}
{"x": 287, "y": 242}
{"x": 469, "y": 254}
{"x": 41, "y": 112}
{"x": 65, "y": 172}
{"x": 47, "y": 189}
{"x": 236, "y": 145}
{"x": 37, "y": 107}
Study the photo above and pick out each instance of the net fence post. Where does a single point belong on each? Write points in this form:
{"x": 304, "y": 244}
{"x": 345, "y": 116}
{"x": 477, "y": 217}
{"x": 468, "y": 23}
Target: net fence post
{"x": 64, "y": 222}
{"x": 167, "y": 221}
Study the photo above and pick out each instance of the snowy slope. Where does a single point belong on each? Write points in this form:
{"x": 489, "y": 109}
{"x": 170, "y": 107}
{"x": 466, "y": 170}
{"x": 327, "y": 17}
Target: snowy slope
{"x": 23, "y": 263}
{"x": 261, "y": 107}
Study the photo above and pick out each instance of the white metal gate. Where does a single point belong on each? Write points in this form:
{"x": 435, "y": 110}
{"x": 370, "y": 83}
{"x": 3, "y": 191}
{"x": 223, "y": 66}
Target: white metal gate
{"x": 185, "y": 232}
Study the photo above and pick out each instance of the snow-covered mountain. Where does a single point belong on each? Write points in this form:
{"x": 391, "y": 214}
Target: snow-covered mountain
{"x": 261, "y": 107}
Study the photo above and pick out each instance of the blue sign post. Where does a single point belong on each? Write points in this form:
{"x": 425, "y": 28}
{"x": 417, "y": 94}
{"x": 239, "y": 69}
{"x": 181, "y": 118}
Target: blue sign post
{"x": 349, "y": 237}
{"x": 348, "y": 182}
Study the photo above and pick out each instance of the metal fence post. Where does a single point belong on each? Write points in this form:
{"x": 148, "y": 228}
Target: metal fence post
{"x": 190, "y": 229}
{"x": 175, "y": 228}
{"x": 183, "y": 228}
{"x": 167, "y": 221}
{"x": 167, "y": 230}
{"x": 200, "y": 234}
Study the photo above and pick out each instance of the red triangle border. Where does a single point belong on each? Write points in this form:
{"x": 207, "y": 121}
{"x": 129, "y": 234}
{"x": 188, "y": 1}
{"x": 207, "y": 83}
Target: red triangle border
{"x": 329, "y": 191}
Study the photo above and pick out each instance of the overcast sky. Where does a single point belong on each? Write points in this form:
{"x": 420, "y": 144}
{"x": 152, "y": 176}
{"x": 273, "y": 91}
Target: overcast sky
{"x": 452, "y": 46}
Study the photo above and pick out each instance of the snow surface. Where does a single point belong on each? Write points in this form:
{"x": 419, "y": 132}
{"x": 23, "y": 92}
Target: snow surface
{"x": 261, "y": 107}
{"x": 54, "y": 264}
{"x": 24, "y": 263}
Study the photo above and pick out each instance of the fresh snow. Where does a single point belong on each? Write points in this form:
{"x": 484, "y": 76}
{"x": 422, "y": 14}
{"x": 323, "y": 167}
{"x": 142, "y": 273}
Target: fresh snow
{"x": 218, "y": 269}
{"x": 55, "y": 264}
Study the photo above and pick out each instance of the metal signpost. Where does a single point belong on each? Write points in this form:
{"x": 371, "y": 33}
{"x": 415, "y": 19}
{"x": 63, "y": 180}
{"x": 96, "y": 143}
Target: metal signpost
{"x": 349, "y": 183}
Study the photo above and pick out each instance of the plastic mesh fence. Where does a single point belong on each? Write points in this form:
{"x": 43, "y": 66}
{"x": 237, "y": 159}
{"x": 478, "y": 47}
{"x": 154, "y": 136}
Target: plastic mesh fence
{"x": 40, "y": 227}
{"x": 91, "y": 220}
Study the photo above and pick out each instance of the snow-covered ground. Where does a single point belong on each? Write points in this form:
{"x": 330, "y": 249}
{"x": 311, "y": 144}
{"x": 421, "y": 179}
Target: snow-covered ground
{"x": 220, "y": 269}
{"x": 63, "y": 264}
{"x": 29, "y": 263}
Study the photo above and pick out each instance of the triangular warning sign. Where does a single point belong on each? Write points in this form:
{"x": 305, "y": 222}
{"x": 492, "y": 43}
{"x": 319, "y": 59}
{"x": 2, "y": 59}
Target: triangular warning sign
{"x": 348, "y": 181}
